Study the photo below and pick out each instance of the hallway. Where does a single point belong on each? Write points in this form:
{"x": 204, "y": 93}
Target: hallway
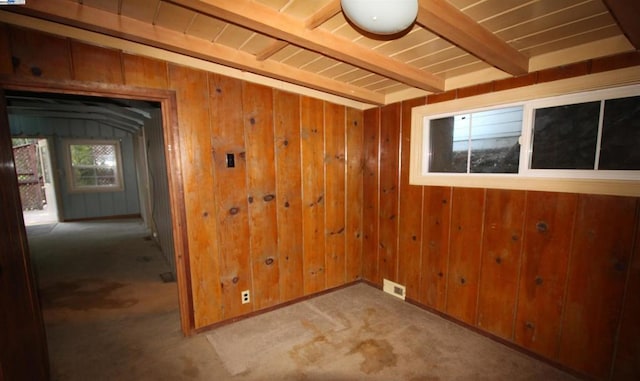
{"x": 108, "y": 314}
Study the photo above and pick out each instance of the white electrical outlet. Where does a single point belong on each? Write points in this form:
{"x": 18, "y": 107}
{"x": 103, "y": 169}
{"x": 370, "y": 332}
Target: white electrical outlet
{"x": 393, "y": 288}
{"x": 246, "y": 298}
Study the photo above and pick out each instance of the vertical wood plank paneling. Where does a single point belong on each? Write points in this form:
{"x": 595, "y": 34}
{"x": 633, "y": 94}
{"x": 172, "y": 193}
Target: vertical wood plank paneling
{"x": 23, "y": 348}
{"x": 435, "y": 246}
{"x": 313, "y": 197}
{"x": 257, "y": 103}
{"x": 603, "y": 241}
{"x": 335, "y": 193}
{"x": 371, "y": 191}
{"x": 195, "y": 144}
{"x": 144, "y": 72}
{"x": 545, "y": 257}
{"x": 6, "y": 66}
{"x": 465, "y": 247}
{"x": 500, "y": 267}
{"x": 230, "y": 189}
{"x": 96, "y": 64}
{"x": 289, "y": 193}
{"x": 627, "y": 361}
{"x": 40, "y": 55}
{"x": 389, "y": 166}
{"x": 354, "y": 196}
{"x": 410, "y": 215}
{"x": 216, "y": 206}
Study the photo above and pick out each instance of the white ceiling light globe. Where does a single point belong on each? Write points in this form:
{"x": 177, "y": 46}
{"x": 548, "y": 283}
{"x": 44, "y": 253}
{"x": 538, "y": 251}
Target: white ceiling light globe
{"x": 381, "y": 16}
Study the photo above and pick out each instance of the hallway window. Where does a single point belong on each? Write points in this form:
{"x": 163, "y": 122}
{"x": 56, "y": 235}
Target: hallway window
{"x": 94, "y": 166}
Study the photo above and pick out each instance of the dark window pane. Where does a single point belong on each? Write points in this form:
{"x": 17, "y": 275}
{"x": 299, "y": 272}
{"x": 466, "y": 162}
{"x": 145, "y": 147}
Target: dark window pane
{"x": 565, "y": 137}
{"x": 494, "y": 140}
{"x": 621, "y": 134}
{"x": 447, "y": 155}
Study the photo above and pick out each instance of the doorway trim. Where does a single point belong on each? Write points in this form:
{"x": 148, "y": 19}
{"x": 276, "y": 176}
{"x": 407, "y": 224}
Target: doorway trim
{"x": 170, "y": 128}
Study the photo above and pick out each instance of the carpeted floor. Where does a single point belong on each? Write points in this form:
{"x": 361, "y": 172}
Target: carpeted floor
{"x": 109, "y": 316}
{"x": 361, "y": 333}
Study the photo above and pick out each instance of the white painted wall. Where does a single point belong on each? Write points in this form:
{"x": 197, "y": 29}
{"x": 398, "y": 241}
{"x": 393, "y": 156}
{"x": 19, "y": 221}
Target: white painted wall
{"x": 84, "y": 205}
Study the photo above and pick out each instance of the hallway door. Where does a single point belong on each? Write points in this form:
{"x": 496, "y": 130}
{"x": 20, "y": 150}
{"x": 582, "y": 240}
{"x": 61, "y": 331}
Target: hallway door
{"x": 23, "y": 352}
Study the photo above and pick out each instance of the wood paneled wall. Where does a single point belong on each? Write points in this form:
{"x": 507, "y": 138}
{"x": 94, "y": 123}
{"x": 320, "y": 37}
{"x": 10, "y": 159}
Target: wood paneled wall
{"x": 553, "y": 273}
{"x": 286, "y": 221}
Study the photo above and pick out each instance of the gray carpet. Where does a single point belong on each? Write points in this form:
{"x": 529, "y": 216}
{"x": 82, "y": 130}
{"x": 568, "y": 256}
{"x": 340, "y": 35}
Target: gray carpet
{"x": 361, "y": 333}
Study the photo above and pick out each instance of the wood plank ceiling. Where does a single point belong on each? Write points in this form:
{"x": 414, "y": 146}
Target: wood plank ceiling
{"x": 452, "y": 44}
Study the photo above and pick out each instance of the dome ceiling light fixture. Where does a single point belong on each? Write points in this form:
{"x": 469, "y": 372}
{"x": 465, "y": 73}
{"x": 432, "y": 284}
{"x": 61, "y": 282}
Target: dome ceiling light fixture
{"x": 381, "y": 16}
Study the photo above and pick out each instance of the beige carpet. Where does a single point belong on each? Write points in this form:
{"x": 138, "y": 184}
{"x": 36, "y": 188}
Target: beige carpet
{"x": 361, "y": 333}
{"x": 109, "y": 317}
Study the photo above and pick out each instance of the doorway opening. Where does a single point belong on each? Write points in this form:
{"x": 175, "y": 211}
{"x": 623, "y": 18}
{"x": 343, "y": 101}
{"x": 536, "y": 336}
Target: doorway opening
{"x": 97, "y": 251}
{"x": 25, "y": 306}
{"x": 35, "y": 180}
{"x": 85, "y": 157}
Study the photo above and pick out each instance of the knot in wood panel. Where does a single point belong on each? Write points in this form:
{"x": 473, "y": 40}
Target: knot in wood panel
{"x": 234, "y": 211}
{"x": 542, "y": 226}
{"x": 268, "y": 261}
{"x": 36, "y": 71}
{"x": 620, "y": 266}
{"x": 538, "y": 281}
{"x": 269, "y": 197}
{"x": 235, "y": 280}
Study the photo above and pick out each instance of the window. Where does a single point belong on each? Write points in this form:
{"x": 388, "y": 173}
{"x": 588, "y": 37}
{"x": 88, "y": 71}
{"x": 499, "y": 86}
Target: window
{"x": 477, "y": 142}
{"x": 589, "y": 135}
{"x": 94, "y": 166}
{"x": 585, "y": 142}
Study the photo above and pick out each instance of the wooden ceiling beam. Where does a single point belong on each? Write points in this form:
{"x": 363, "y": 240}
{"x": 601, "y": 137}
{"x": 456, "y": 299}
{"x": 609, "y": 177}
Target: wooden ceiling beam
{"x": 272, "y": 49}
{"x": 456, "y": 27}
{"x": 266, "y": 20}
{"x": 627, "y": 14}
{"x": 97, "y": 20}
{"x": 323, "y": 14}
{"x": 318, "y": 18}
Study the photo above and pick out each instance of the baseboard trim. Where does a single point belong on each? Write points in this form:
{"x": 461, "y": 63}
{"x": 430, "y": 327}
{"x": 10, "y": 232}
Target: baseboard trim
{"x": 490, "y": 336}
{"x": 100, "y": 218}
{"x": 273, "y": 308}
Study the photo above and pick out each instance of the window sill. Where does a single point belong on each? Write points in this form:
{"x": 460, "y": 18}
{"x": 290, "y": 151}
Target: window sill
{"x": 605, "y": 187}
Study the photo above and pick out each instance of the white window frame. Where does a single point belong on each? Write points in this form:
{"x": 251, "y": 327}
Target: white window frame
{"x": 73, "y": 187}
{"x": 573, "y": 90}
